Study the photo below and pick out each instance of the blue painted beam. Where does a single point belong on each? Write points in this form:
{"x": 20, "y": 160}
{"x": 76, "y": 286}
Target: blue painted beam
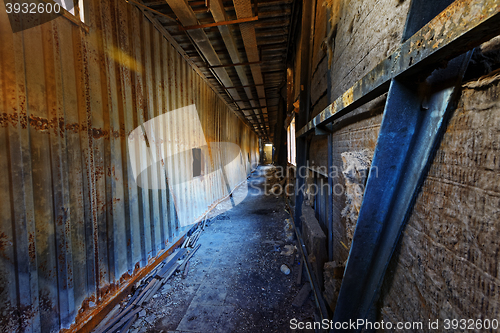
{"x": 408, "y": 136}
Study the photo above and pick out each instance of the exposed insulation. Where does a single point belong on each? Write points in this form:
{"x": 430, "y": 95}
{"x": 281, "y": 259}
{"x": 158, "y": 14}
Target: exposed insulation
{"x": 360, "y": 136}
{"x": 368, "y": 32}
{"x": 356, "y": 165}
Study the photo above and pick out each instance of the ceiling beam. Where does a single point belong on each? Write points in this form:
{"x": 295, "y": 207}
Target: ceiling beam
{"x": 219, "y": 15}
{"x": 243, "y": 9}
{"x": 181, "y": 51}
{"x": 240, "y": 64}
{"x": 247, "y": 86}
{"x": 216, "y": 24}
{"x": 150, "y": 9}
{"x": 187, "y": 17}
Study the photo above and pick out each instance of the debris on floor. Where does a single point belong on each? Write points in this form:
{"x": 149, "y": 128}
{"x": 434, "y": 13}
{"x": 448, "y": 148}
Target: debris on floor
{"x": 285, "y": 269}
{"x": 302, "y": 295}
{"x": 275, "y": 181}
{"x": 234, "y": 283}
{"x": 289, "y": 250}
{"x": 122, "y": 317}
{"x": 289, "y": 233}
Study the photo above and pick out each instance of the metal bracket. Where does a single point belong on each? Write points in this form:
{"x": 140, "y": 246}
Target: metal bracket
{"x": 323, "y": 130}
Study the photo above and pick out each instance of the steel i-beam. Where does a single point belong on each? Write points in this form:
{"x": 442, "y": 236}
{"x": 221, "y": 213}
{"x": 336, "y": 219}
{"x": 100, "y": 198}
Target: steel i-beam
{"x": 414, "y": 118}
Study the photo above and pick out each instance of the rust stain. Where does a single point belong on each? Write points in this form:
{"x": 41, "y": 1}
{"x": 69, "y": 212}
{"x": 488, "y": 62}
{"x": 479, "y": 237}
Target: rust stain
{"x": 72, "y": 127}
{"x": 8, "y": 118}
{"x": 39, "y": 123}
{"x": 4, "y": 242}
{"x": 31, "y": 247}
{"x": 108, "y": 290}
{"x": 125, "y": 277}
{"x": 88, "y": 318}
{"x": 98, "y": 133}
{"x": 24, "y": 120}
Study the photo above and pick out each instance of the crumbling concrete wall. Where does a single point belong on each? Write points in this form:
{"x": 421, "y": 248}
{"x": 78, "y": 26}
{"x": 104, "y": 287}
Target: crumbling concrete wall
{"x": 447, "y": 265}
{"x": 357, "y": 133}
{"x": 361, "y": 34}
{"x": 368, "y": 31}
{"x": 319, "y": 73}
{"x": 355, "y": 169}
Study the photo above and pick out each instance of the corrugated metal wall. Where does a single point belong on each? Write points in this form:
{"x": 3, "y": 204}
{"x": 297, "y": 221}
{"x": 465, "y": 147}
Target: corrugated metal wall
{"x": 74, "y": 226}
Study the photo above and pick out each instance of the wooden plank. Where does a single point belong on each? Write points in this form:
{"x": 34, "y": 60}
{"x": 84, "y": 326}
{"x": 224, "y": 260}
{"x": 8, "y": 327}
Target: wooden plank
{"x": 129, "y": 323}
{"x": 156, "y": 283}
{"x": 171, "y": 262}
{"x": 171, "y": 271}
{"x": 186, "y": 242}
{"x": 108, "y": 318}
{"x": 302, "y": 295}
{"x": 189, "y": 256}
{"x": 116, "y": 320}
{"x": 125, "y": 319}
{"x": 216, "y": 24}
{"x": 186, "y": 270}
{"x": 238, "y": 64}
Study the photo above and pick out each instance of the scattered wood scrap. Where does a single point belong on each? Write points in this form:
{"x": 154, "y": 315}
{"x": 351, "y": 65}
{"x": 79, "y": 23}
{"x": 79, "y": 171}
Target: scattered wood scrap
{"x": 186, "y": 270}
{"x": 121, "y": 320}
{"x": 299, "y": 276}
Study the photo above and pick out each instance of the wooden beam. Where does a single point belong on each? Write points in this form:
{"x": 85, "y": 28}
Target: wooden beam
{"x": 197, "y": 3}
{"x": 219, "y": 14}
{"x": 247, "y": 86}
{"x": 188, "y": 59}
{"x": 259, "y": 108}
{"x": 216, "y": 24}
{"x": 240, "y": 64}
{"x": 247, "y": 100}
{"x": 187, "y": 18}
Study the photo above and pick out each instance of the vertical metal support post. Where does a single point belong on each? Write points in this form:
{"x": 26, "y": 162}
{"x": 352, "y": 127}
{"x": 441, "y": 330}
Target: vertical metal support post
{"x": 330, "y": 163}
{"x": 329, "y": 206}
{"x": 304, "y": 101}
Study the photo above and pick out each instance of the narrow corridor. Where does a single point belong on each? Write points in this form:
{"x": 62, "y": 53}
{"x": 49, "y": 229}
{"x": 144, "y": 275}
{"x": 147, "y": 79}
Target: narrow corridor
{"x": 235, "y": 283}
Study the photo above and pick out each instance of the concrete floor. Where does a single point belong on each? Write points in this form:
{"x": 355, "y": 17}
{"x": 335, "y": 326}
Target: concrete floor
{"x": 234, "y": 283}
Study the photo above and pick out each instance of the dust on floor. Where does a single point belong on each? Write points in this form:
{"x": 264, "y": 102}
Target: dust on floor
{"x": 234, "y": 283}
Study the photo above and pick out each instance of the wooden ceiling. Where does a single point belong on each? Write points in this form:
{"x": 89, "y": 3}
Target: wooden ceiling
{"x": 217, "y": 34}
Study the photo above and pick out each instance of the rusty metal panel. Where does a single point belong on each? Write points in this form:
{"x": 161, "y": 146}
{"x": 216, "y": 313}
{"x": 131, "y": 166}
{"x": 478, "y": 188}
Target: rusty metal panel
{"x": 75, "y": 228}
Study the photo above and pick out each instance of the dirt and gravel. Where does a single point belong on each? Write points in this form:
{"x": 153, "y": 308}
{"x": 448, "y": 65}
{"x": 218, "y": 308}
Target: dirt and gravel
{"x": 234, "y": 282}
